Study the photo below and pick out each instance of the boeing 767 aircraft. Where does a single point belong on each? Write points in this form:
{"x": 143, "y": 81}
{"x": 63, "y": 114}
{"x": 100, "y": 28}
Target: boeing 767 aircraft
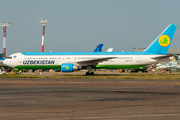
{"x": 71, "y": 61}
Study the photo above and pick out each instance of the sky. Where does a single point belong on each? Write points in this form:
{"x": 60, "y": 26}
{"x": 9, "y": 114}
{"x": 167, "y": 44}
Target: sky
{"x": 78, "y": 25}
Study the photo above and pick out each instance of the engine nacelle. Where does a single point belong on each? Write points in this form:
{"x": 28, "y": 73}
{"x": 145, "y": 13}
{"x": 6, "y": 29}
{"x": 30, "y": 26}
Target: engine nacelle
{"x": 69, "y": 67}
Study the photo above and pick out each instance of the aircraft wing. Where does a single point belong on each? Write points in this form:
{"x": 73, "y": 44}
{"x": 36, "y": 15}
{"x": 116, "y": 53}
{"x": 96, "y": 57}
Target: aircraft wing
{"x": 94, "y": 61}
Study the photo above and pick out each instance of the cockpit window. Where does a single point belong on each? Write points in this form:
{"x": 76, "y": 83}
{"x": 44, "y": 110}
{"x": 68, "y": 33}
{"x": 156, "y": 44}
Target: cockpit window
{"x": 9, "y": 58}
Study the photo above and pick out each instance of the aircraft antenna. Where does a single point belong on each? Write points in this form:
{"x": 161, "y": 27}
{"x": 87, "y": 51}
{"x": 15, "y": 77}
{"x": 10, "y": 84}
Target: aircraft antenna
{"x": 43, "y": 21}
{"x": 4, "y": 37}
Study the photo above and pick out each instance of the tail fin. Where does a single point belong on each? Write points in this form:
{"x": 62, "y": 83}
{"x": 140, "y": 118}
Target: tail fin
{"x": 99, "y": 48}
{"x": 174, "y": 61}
{"x": 161, "y": 44}
{"x": 110, "y": 50}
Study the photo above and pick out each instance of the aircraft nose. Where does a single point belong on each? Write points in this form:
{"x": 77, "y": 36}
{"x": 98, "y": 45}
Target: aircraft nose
{"x": 4, "y": 62}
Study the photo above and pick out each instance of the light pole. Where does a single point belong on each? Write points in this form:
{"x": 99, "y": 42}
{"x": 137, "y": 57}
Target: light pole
{"x": 4, "y": 37}
{"x": 43, "y": 21}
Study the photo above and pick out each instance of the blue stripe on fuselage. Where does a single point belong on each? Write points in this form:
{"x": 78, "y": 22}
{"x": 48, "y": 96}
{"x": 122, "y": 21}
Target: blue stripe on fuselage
{"x": 88, "y": 53}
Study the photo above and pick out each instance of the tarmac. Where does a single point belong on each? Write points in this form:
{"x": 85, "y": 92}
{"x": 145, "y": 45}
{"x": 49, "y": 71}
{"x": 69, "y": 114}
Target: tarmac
{"x": 89, "y": 99}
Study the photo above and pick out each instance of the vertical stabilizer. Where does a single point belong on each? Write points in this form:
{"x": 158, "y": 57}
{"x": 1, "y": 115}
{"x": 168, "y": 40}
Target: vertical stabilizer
{"x": 161, "y": 44}
{"x": 174, "y": 61}
{"x": 99, "y": 48}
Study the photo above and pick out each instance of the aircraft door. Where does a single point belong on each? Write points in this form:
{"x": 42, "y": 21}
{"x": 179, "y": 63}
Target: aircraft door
{"x": 19, "y": 59}
{"x": 138, "y": 58}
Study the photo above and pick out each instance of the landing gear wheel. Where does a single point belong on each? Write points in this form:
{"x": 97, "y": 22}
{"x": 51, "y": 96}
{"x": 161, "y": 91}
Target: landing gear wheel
{"x": 88, "y": 73}
{"x": 92, "y": 73}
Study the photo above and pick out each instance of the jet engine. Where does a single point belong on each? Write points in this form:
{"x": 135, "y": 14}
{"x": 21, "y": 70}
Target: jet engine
{"x": 69, "y": 67}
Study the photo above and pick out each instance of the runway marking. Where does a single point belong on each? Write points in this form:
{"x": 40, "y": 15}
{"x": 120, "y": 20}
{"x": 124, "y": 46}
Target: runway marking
{"x": 156, "y": 115}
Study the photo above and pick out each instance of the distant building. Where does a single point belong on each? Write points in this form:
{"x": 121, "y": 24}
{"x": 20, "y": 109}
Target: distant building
{"x": 138, "y": 49}
{"x": 170, "y": 51}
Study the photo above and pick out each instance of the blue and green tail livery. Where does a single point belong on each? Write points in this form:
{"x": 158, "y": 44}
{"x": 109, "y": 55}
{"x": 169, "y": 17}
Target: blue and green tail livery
{"x": 161, "y": 44}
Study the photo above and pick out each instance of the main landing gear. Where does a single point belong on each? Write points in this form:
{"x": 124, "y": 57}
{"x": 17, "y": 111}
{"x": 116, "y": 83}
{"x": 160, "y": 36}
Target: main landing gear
{"x": 89, "y": 71}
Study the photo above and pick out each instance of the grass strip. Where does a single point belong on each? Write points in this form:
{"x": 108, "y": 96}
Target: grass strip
{"x": 96, "y": 76}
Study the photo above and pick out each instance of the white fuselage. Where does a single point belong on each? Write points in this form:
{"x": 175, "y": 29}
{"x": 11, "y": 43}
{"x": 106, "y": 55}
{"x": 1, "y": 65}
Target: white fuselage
{"x": 18, "y": 59}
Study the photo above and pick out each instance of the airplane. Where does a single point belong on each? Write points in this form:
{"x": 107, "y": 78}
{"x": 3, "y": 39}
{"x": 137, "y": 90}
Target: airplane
{"x": 171, "y": 66}
{"x": 72, "y": 61}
